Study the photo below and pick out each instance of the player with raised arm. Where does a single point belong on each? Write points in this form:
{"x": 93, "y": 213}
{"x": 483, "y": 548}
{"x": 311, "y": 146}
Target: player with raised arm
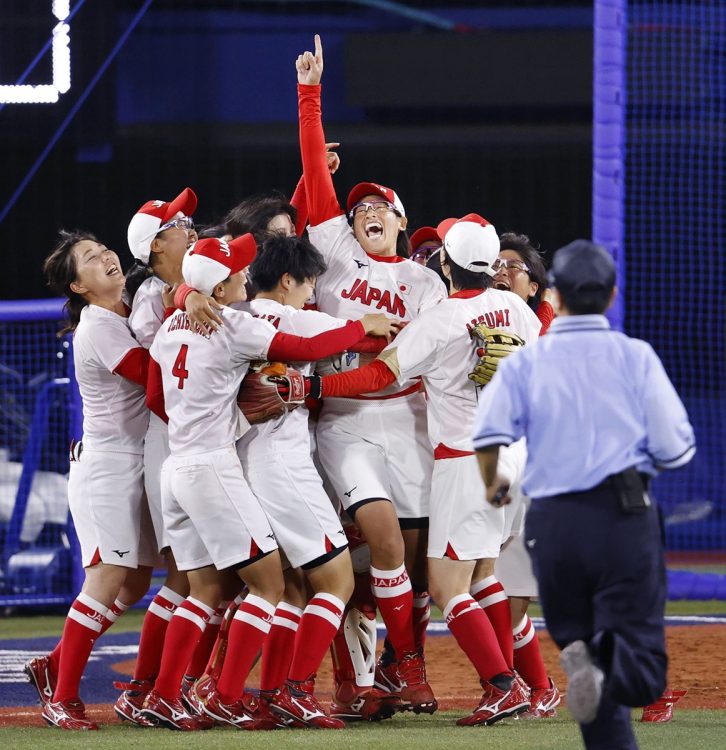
{"x": 374, "y": 447}
{"x": 214, "y": 521}
{"x": 105, "y": 486}
{"x": 442, "y": 347}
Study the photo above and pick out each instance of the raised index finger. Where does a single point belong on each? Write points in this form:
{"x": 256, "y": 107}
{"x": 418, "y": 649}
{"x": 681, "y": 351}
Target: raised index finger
{"x": 318, "y": 48}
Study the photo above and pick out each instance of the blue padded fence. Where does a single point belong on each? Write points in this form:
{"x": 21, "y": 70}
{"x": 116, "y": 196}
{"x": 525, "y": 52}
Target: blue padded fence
{"x": 659, "y": 191}
{"x": 39, "y": 413}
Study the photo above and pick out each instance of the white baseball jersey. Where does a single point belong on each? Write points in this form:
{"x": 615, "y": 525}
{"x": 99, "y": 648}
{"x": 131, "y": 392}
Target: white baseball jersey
{"x": 438, "y": 347}
{"x": 147, "y": 313}
{"x": 290, "y": 432}
{"x": 115, "y": 416}
{"x": 356, "y": 283}
{"x": 202, "y": 374}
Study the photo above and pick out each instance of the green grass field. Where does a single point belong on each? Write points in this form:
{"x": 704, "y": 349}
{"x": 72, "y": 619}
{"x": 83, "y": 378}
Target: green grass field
{"x": 691, "y": 730}
{"x": 37, "y": 626}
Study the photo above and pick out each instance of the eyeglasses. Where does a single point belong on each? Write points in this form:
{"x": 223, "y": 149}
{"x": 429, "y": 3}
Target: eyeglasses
{"x": 181, "y": 222}
{"x": 380, "y": 207}
{"x": 509, "y": 264}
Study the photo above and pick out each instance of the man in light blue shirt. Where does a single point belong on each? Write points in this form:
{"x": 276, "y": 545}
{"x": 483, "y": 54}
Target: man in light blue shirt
{"x": 601, "y": 417}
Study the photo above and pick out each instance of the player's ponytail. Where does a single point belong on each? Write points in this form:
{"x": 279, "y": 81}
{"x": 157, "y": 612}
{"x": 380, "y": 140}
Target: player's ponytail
{"x": 135, "y": 277}
{"x": 60, "y": 271}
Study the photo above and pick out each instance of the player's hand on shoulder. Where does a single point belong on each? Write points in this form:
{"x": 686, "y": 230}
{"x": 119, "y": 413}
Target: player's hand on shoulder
{"x": 332, "y": 157}
{"x": 202, "y": 311}
{"x": 498, "y": 492}
{"x": 167, "y": 295}
{"x": 377, "y": 324}
{"x": 309, "y": 65}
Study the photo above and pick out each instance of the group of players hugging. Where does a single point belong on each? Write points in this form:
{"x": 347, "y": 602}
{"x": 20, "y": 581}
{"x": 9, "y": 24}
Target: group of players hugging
{"x": 388, "y": 340}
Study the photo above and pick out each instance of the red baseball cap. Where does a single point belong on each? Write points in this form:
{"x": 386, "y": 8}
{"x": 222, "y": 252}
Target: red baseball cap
{"x": 148, "y": 220}
{"x": 471, "y": 242}
{"x": 210, "y": 261}
{"x": 424, "y": 234}
{"x": 373, "y": 188}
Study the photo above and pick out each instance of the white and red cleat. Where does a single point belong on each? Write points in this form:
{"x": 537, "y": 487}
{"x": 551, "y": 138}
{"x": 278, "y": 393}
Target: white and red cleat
{"x": 297, "y": 705}
{"x": 172, "y": 714}
{"x": 352, "y": 702}
{"x": 41, "y": 677}
{"x": 68, "y": 715}
{"x": 543, "y": 702}
{"x": 662, "y": 710}
{"x": 193, "y": 703}
{"x": 496, "y": 704}
{"x": 415, "y": 693}
{"x": 240, "y": 714}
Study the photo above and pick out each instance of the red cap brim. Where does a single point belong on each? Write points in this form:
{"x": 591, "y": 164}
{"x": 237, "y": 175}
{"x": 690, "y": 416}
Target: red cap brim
{"x": 424, "y": 234}
{"x": 186, "y": 202}
{"x": 361, "y": 190}
{"x": 443, "y": 227}
{"x": 244, "y": 251}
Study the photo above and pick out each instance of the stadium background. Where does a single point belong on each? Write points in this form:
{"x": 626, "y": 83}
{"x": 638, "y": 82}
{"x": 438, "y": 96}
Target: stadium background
{"x": 460, "y": 106}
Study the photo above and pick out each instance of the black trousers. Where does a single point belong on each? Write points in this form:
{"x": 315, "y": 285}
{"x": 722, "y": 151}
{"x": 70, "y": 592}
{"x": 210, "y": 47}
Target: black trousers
{"x": 602, "y": 580}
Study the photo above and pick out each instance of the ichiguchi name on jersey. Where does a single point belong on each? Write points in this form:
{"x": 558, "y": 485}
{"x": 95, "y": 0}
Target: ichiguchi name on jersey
{"x": 181, "y": 322}
{"x": 492, "y": 319}
{"x": 374, "y": 297}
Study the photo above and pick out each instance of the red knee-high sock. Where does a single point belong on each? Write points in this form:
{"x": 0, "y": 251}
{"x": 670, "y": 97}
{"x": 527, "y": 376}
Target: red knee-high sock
{"x": 475, "y": 635}
{"x": 184, "y": 631}
{"x": 318, "y": 626}
{"x": 421, "y": 616}
{"x": 394, "y": 597}
{"x": 527, "y": 657}
{"x": 153, "y": 633}
{"x": 489, "y": 593}
{"x": 112, "y": 614}
{"x": 251, "y": 624}
{"x": 203, "y": 651}
{"x": 278, "y": 648}
{"x": 82, "y": 628}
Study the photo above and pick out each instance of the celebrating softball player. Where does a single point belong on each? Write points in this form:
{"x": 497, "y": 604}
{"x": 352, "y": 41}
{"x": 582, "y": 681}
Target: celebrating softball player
{"x": 373, "y": 447}
{"x": 105, "y": 486}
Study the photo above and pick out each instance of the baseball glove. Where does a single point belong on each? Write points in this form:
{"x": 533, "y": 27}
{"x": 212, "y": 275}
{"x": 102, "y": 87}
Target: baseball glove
{"x": 495, "y": 344}
{"x": 270, "y": 390}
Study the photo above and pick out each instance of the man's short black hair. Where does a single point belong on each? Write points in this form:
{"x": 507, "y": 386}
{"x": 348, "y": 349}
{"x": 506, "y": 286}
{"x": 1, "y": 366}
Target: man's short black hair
{"x": 586, "y": 301}
{"x": 280, "y": 255}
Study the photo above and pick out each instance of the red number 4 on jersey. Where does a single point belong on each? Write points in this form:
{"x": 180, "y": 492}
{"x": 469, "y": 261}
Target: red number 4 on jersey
{"x": 180, "y": 366}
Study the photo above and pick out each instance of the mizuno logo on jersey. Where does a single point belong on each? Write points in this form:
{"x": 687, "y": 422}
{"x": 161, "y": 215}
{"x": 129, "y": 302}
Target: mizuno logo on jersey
{"x": 374, "y": 297}
{"x": 493, "y": 319}
{"x": 359, "y": 263}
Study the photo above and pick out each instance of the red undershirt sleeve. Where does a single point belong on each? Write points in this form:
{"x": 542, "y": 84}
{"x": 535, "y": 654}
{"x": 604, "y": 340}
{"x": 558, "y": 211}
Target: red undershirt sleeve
{"x": 155, "y": 390}
{"x": 546, "y": 314}
{"x": 368, "y": 379}
{"x": 285, "y": 347}
{"x": 299, "y": 202}
{"x": 134, "y": 366}
{"x": 321, "y": 201}
{"x": 370, "y": 345}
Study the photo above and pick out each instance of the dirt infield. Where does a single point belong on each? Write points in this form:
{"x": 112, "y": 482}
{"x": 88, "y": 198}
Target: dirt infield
{"x": 696, "y": 654}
